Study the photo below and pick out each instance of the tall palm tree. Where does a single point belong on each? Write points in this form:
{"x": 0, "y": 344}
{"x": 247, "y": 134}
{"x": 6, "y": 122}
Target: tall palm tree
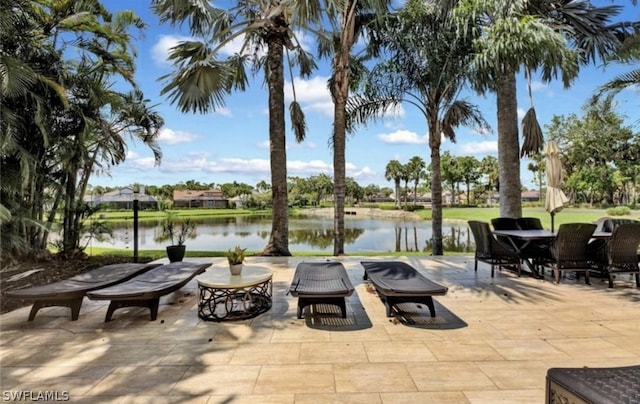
{"x": 428, "y": 75}
{"x": 393, "y": 172}
{"x": 406, "y": 177}
{"x": 203, "y": 79}
{"x": 349, "y": 21}
{"x": 552, "y": 37}
{"x": 416, "y": 173}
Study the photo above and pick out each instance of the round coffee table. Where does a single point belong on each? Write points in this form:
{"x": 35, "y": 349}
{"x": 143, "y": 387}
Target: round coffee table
{"x": 226, "y": 297}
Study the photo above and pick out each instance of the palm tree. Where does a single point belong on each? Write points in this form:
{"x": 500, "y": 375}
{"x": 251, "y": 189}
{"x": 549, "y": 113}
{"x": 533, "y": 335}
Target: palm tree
{"x": 552, "y": 37}
{"x": 629, "y": 51}
{"x": 393, "y": 172}
{"x": 52, "y": 103}
{"x": 349, "y": 20}
{"x": 490, "y": 168}
{"x": 202, "y": 79}
{"x": 416, "y": 173}
{"x": 426, "y": 74}
{"x": 263, "y": 186}
{"x": 405, "y": 177}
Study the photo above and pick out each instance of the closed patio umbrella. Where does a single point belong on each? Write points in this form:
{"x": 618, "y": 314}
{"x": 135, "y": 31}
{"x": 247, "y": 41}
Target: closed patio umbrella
{"x": 555, "y": 198}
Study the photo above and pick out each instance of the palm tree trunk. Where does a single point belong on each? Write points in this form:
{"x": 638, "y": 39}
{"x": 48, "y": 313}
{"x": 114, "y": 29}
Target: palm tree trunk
{"x": 279, "y": 240}
{"x": 340, "y": 95}
{"x": 436, "y": 189}
{"x": 508, "y": 148}
{"x": 339, "y": 175}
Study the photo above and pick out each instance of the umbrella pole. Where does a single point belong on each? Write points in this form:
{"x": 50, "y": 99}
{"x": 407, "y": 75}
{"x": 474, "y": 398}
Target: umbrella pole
{"x": 553, "y": 214}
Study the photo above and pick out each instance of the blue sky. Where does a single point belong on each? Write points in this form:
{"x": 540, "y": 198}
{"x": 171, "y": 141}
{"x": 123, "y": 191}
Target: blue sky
{"x": 231, "y": 144}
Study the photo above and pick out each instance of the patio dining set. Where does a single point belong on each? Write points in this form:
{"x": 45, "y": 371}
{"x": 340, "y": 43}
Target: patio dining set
{"x": 607, "y": 248}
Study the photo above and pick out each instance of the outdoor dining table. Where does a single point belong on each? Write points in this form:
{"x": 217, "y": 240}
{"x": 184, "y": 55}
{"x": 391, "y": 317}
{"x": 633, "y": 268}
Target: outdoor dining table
{"x": 531, "y": 236}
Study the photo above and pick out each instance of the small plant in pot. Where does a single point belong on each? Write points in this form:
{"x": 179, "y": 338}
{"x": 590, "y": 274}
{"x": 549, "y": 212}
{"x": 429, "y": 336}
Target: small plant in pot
{"x": 178, "y": 232}
{"x": 236, "y": 259}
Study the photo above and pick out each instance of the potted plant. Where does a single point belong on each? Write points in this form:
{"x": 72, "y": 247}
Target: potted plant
{"x": 178, "y": 232}
{"x": 236, "y": 259}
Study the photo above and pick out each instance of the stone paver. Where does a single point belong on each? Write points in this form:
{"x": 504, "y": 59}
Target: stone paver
{"x": 492, "y": 341}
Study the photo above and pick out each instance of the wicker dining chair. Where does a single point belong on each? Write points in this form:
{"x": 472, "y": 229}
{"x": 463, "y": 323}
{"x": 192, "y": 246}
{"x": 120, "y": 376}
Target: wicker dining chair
{"x": 568, "y": 251}
{"x": 597, "y": 248}
{"x": 529, "y": 223}
{"x": 506, "y": 223}
{"x": 491, "y": 250}
{"x": 535, "y": 250}
{"x": 622, "y": 252}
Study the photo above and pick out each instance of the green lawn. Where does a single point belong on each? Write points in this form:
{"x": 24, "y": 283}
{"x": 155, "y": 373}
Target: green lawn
{"x": 569, "y": 215}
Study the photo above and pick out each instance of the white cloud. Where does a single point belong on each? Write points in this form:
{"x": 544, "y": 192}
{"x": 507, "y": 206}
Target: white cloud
{"x": 308, "y": 168}
{"x": 233, "y": 47}
{"x": 403, "y": 137}
{"x": 224, "y": 111}
{"x": 160, "y": 51}
{"x": 290, "y": 145}
{"x": 170, "y": 136}
{"x": 538, "y": 85}
{"x": 485, "y": 147}
{"x": 144, "y": 162}
{"x": 361, "y": 175}
{"x": 312, "y": 94}
{"x": 310, "y": 91}
{"x": 521, "y": 113}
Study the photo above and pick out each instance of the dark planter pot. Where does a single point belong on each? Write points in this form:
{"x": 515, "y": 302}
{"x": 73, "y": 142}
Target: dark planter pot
{"x": 175, "y": 253}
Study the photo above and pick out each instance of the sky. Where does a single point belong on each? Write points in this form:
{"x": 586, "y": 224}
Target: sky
{"x": 231, "y": 144}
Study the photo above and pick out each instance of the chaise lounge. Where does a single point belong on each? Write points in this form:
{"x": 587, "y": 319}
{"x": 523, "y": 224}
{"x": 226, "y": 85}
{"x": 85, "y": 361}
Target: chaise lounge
{"x": 70, "y": 292}
{"x": 321, "y": 283}
{"x": 398, "y": 282}
{"x": 147, "y": 289}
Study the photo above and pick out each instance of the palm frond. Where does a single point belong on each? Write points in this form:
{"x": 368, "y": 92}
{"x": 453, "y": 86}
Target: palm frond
{"x": 619, "y": 83}
{"x": 298, "y": 122}
{"x": 532, "y": 134}
{"x": 462, "y": 113}
{"x": 363, "y": 109}
{"x": 199, "y": 14}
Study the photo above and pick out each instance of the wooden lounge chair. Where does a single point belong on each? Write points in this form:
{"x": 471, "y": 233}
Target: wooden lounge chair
{"x": 611, "y": 385}
{"x": 398, "y": 282}
{"x": 70, "y": 292}
{"x": 321, "y": 283}
{"x": 147, "y": 289}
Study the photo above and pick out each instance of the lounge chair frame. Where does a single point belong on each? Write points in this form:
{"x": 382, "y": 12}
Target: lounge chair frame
{"x": 70, "y": 292}
{"x": 146, "y": 290}
{"x": 321, "y": 283}
{"x": 398, "y": 282}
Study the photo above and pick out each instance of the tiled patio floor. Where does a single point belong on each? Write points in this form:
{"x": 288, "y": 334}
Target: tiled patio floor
{"x": 492, "y": 341}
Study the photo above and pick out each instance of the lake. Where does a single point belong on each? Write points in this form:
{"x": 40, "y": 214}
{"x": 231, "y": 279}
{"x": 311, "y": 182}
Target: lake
{"x": 306, "y": 233}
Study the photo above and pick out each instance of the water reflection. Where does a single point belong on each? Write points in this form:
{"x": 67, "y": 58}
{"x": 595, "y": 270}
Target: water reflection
{"x": 306, "y": 233}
